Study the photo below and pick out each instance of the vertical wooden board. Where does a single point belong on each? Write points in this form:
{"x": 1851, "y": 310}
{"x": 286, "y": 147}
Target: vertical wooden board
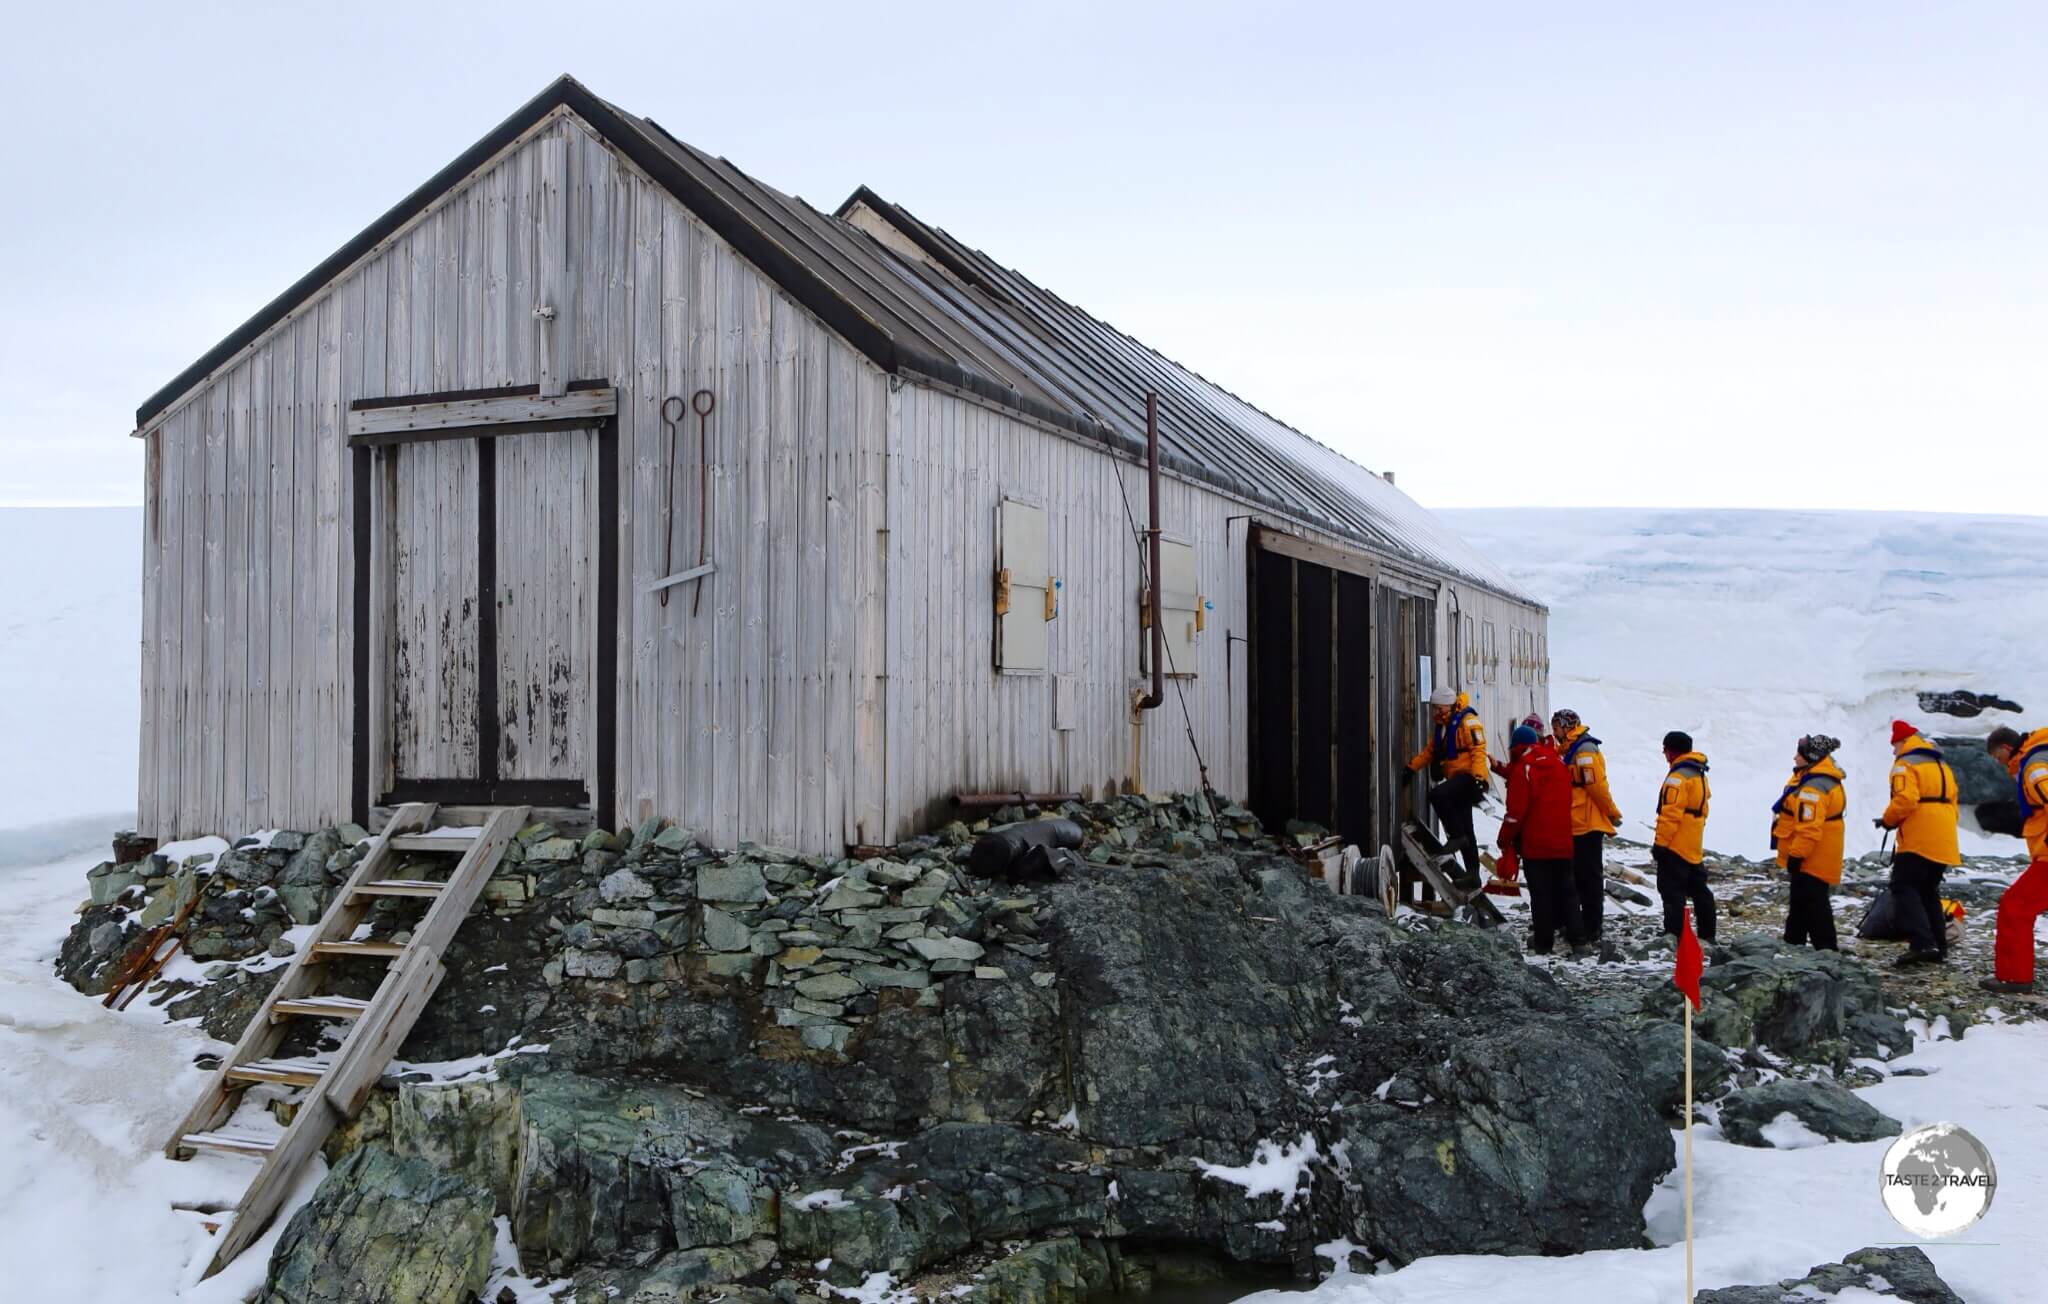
{"x": 213, "y": 421}
{"x": 145, "y": 749}
{"x": 754, "y": 299}
{"x": 639, "y": 406}
{"x": 729, "y": 515}
{"x": 284, "y": 511}
{"x": 235, "y": 601}
{"x": 398, "y": 317}
{"x": 551, "y": 673}
{"x": 420, "y": 373}
{"x": 191, "y": 604}
{"x": 474, "y": 335}
{"x": 306, "y": 593}
{"x": 551, "y": 288}
{"x": 351, "y": 368}
{"x": 815, "y": 815}
{"x": 895, "y": 722}
{"x": 615, "y": 351}
{"x": 446, "y": 222}
{"x": 665, "y": 530}
{"x": 326, "y": 734}
{"x": 491, "y": 269}
{"x": 508, "y": 554}
{"x": 255, "y": 737}
{"x": 846, "y": 550}
{"x": 700, "y": 792}
{"x": 521, "y": 214}
{"x": 865, "y": 815}
{"x": 782, "y": 562}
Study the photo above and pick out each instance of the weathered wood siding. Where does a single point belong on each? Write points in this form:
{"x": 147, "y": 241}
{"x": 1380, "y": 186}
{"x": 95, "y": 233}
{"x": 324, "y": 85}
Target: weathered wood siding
{"x": 739, "y": 713}
{"x": 830, "y": 681}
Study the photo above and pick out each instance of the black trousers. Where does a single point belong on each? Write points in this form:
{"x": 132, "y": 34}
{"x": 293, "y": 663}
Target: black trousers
{"x": 1589, "y": 878}
{"x": 1553, "y": 905}
{"x": 1916, "y": 895}
{"x": 1678, "y": 881}
{"x": 1453, "y": 800}
{"x": 1811, "y": 916}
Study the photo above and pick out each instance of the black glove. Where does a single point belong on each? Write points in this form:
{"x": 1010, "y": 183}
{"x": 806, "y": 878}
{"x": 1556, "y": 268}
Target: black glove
{"x": 1794, "y": 863}
{"x": 1878, "y": 823}
{"x": 1774, "y": 842}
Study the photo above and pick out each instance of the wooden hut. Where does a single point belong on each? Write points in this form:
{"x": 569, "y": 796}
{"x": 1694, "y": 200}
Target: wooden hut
{"x": 437, "y": 524}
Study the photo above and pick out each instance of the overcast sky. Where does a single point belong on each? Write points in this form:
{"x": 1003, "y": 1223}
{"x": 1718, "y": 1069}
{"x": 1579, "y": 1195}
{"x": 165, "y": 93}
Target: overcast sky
{"x": 1698, "y": 255}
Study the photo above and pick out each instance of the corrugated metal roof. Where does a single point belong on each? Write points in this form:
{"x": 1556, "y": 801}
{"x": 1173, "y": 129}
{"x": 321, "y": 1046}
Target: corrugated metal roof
{"x": 959, "y": 317}
{"x": 960, "y": 306}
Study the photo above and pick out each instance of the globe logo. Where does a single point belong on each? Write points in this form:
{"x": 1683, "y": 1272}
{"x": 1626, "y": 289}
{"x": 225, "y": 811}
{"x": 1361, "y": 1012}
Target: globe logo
{"x": 1938, "y": 1180}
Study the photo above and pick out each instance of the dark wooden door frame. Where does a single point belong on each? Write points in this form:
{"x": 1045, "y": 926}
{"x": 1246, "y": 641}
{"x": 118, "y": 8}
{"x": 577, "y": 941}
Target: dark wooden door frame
{"x": 487, "y": 789}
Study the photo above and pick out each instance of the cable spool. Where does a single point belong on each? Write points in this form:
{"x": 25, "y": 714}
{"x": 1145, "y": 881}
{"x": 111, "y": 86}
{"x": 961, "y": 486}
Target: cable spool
{"x": 1387, "y": 884}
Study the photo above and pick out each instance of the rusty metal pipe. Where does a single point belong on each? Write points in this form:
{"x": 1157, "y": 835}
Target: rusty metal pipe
{"x": 1157, "y": 697}
{"x": 996, "y": 800}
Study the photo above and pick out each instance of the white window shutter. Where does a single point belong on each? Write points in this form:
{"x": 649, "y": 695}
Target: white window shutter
{"x": 1180, "y": 596}
{"x": 1021, "y": 559}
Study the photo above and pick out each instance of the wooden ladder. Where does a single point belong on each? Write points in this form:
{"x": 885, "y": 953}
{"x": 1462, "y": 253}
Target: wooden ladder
{"x": 339, "y": 1084}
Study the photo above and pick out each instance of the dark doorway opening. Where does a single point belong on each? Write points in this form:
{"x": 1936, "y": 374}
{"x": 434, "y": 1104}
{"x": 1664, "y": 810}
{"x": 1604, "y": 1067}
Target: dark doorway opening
{"x": 1311, "y": 709}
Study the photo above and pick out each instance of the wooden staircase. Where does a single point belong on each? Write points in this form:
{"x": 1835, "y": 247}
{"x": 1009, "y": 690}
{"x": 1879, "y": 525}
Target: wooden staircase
{"x": 338, "y": 1083}
{"x": 1438, "y": 866}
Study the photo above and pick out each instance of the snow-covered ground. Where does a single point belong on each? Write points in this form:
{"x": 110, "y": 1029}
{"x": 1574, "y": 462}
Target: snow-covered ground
{"x": 70, "y": 614}
{"x": 1748, "y": 629}
{"x": 1762, "y": 1215}
{"x": 87, "y": 1098}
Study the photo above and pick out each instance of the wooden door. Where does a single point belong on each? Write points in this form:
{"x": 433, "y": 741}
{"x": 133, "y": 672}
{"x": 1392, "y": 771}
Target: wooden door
{"x": 492, "y": 632}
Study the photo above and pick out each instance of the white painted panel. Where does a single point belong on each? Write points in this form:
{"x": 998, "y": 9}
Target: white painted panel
{"x": 1022, "y": 639}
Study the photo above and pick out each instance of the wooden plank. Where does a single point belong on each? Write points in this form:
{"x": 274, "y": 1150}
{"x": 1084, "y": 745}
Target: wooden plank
{"x": 694, "y": 786}
{"x": 583, "y": 405}
{"x": 235, "y": 603}
{"x": 447, "y": 238}
{"x": 152, "y": 567}
{"x": 865, "y": 822}
{"x": 826, "y": 592}
{"x": 782, "y": 560}
{"x": 256, "y": 661}
{"x": 729, "y": 514}
{"x": 307, "y": 593}
{"x": 213, "y": 605}
{"x": 752, "y": 669}
{"x": 285, "y": 576}
{"x": 551, "y": 242}
{"x": 329, "y": 797}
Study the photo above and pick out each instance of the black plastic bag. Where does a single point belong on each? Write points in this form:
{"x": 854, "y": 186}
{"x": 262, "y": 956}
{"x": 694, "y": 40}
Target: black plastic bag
{"x": 1881, "y": 921}
{"x": 997, "y": 851}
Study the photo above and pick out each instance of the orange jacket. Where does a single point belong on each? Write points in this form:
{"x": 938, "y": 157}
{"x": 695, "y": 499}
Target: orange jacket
{"x": 1808, "y": 823}
{"x": 1682, "y": 808}
{"x": 1457, "y": 746}
{"x": 1593, "y": 808}
{"x": 1923, "y": 805}
{"x": 2029, "y": 767}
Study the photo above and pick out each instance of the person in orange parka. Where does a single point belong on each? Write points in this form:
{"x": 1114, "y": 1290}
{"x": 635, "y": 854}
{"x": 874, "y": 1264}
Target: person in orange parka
{"x": 2025, "y": 757}
{"x": 1807, "y": 828}
{"x": 1595, "y": 817}
{"x": 1923, "y": 809}
{"x": 1456, "y": 752}
{"x": 1538, "y": 829}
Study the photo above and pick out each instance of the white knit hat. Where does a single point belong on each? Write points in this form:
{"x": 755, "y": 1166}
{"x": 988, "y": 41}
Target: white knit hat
{"x": 1444, "y": 697}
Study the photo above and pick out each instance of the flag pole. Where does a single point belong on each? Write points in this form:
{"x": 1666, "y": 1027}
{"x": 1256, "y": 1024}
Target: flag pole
{"x": 1688, "y": 1150}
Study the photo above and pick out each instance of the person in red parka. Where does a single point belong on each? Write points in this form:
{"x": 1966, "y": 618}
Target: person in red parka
{"x": 1538, "y": 830}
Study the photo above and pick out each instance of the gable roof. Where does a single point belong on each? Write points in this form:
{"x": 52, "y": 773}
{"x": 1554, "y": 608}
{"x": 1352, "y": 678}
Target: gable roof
{"x": 949, "y": 313}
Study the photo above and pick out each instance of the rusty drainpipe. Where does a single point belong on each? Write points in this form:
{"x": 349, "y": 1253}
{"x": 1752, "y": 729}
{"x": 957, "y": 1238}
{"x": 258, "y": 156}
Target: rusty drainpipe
{"x": 1157, "y": 697}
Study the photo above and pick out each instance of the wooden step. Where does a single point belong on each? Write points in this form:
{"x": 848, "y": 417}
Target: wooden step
{"x": 321, "y": 1007}
{"x": 380, "y": 950}
{"x": 451, "y": 841}
{"x": 285, "y": 1072}
{"x": 252, "y": 1144}
{"x": 401, "y": 887}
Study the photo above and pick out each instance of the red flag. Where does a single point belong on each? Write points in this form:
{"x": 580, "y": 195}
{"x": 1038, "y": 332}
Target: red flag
{"x": 1685, "y": 974}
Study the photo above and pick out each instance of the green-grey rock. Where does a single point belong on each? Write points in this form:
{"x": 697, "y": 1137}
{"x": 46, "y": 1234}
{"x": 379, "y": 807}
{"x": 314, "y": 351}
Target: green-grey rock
{"x": 384, "y": 1228}
{"x": 830, "y": 987}
{"x": 945, "y": 948}
{"x": 737, "y": 881}
{"x": 722, "y": 932}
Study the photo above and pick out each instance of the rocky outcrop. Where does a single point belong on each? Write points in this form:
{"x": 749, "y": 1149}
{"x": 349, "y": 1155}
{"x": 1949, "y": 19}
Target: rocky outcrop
{"x": 1812, "y": 1006}
{"x": 755, "y": 1063}
{"x": 1826, "y": 1109}
{"x": 1964, "y": 704}
{"x": 384, "y": 1228}
{"x": 1661, "y": 1048}
{"x": 1897, "y": 1272}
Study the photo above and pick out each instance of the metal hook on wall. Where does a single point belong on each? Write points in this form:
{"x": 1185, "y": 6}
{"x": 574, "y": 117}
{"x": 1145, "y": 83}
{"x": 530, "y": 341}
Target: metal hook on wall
{"x": 703, "y": 402}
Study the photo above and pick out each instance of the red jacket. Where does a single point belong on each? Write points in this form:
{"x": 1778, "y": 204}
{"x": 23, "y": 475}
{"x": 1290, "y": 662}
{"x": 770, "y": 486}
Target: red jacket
{"x": 1539, "y": 822}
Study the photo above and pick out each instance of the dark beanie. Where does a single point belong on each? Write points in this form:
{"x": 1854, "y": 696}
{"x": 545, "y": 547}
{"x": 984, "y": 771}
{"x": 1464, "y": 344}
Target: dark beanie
{"x": 2003, "y": 736}
{"x": 1524, "y": 736}
{"x": 1678, "y": 741}
{"x": 1817, "y": 747}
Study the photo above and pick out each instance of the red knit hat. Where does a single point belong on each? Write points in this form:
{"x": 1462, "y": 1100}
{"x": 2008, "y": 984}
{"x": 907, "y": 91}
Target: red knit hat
{"x": 1901, "y": 731}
